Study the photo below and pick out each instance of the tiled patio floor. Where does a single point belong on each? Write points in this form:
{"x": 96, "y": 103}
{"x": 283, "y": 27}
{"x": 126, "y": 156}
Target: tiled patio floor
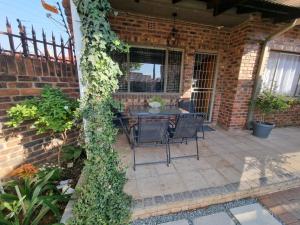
{"x": 232, "y": 165}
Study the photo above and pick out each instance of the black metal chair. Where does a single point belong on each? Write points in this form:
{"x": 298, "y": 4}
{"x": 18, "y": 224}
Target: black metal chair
{"x": 190, "y": 107}
{"x": 186, "y": 105}
{"x": 186, "y": 128}
{"x": 121, "y": 121}
{"x": 150, "y": 131}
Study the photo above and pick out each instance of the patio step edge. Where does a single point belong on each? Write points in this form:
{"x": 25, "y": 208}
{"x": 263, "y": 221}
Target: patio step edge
{"x": 190, "y": 200}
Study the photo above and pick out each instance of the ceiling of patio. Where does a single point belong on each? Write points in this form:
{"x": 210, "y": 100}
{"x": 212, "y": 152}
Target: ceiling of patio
{"x": 187, "y": 10}
{"x": 226, "y": 13}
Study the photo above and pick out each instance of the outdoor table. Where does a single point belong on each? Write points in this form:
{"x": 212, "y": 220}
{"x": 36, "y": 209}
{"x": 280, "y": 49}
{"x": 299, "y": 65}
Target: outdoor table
{"x": 135, "y": 111}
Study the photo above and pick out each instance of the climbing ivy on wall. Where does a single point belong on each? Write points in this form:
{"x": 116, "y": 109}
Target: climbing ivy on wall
{"x": 101, "y": 198}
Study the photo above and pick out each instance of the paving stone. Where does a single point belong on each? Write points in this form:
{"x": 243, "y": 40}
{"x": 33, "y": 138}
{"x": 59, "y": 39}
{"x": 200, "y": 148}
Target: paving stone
{"x": 178, "y": 222}
{"x": 254, "y": 214}
{"x": 214, "y": 219}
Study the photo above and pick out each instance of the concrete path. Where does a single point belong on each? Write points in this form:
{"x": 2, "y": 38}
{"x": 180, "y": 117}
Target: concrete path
{"x": 253, "y": 214}
{"x": 240, "y": 212}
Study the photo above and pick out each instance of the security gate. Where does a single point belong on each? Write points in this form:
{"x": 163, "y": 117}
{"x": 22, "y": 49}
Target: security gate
{"x": 203, "y": 84}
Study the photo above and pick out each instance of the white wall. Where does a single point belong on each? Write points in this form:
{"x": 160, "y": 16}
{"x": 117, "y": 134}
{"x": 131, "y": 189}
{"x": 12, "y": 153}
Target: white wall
{"x": 77, "y": 42}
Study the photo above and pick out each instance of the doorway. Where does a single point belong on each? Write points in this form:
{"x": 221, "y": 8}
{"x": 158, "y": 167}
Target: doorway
{"x": 204, "y": 82}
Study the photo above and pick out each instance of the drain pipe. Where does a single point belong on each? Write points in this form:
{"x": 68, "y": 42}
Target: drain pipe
{"x": 261, "y": 64}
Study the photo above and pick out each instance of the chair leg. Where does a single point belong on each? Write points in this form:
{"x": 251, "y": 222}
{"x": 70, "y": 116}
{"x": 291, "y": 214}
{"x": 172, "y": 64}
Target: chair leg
{"x": 202, "y": 131}
{"x": 167, "y": 153}
{"x": 133, "y": 149}
{"x": 197, "y": 148}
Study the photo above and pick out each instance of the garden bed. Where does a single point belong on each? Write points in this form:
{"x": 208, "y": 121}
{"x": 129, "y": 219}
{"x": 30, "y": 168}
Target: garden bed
{"x": 47, "y": 176}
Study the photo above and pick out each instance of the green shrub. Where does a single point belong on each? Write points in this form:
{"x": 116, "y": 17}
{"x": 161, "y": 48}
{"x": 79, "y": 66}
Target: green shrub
{"x": 27, "y": 200}
{"x": 101, "y": 199}
{"x": 268, "y": 102}
{"x": 71, "y": 153}
{"x": 51, "y": 112}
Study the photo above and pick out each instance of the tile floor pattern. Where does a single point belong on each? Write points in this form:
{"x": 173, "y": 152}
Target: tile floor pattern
{"x": 230, "y": 161}
{"x": 285, "y": 205}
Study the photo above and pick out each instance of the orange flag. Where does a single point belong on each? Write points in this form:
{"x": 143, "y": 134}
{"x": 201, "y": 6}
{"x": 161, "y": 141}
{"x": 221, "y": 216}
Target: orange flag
{"x": 48, "y": 7}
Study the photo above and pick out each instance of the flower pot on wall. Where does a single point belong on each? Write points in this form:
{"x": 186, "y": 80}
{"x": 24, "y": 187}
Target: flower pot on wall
{"x": 262, "y": 129}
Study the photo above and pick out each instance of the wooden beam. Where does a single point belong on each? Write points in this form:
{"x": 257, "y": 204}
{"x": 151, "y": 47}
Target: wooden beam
{"x": 221, "y": 6}
{"x": 176, "y": 1}
{"x": 286, "y": 18}
{"x": 242, "y": 10}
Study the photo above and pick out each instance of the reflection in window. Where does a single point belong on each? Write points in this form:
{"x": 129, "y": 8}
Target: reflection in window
{"x": 174, "y": 70}
{"x": 146, "y": 70}
{"x": 121, "y": 58}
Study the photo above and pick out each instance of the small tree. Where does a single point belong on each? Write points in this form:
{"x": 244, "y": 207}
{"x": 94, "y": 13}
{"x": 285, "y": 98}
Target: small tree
{"x": 51, "y": 112}
{"x": 268, "y": 102}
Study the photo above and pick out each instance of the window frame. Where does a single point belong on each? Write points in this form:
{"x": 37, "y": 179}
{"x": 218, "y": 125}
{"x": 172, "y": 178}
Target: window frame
{"x": 294, "y": 95}
{"x": 167, "y": 49}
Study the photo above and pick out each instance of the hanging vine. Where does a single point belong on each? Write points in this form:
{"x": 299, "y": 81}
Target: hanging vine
{"x": 101, "y": 199}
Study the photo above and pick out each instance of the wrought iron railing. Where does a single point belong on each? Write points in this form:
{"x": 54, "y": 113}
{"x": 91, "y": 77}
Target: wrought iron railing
{"x": 31, "y": 46}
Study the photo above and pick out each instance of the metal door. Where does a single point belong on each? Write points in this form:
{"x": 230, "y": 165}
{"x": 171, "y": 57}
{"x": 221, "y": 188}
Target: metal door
{"x": 203, "y": 85}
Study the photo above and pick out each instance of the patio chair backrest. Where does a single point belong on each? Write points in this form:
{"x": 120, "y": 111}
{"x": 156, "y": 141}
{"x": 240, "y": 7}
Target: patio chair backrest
{"x": 186, "y": 105}
{"x": 187, "y": 125}
{"x": 152, "y": 129}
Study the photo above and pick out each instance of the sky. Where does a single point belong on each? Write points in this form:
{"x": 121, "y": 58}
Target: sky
{"x": 30, "y": 12}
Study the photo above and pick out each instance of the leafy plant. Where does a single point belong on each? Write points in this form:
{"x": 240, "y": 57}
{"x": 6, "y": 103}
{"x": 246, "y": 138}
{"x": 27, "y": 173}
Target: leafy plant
{"x": 268, "y": 102}
{"x": 51, "y": 112}
{"x": 71, "y": 152}
{"x": 101, "y": 199}
{"x": 50, "y": 167}
{"x": 28, "y": 200}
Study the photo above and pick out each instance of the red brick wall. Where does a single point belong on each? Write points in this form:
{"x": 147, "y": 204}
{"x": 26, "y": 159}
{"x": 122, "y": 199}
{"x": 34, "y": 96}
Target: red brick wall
{"x": 253, "y": 32}
{"x": 21, "y": 78}
{"x": 238, "y": 51}
{"x": 149, "y": 31}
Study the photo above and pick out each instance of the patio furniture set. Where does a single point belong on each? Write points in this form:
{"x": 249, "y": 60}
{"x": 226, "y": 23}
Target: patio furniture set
{"x": 161, "y": 127}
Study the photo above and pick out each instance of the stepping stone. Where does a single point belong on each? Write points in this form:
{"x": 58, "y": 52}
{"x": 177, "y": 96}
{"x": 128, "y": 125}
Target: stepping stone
{"x": 214, "y": 219}
{"x": 254, "y": 214}
{"x": 178, "y": 222}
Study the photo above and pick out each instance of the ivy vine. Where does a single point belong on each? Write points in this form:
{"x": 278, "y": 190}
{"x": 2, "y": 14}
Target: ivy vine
{"x": 101, "y": 199}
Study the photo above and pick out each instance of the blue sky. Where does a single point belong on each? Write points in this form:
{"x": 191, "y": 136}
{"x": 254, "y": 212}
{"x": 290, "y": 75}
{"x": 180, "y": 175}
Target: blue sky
{"x": 30, "y": 12}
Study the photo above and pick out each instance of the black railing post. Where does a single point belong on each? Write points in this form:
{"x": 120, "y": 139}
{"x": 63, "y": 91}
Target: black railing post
{"x": 34, "y": 42}
{"x": 23, "y": 38}
{"x": 54, "y": 47}
{"x": 62, "y": 49}
{"x": 45, "y": 45}
{"x": 10, "y": 36}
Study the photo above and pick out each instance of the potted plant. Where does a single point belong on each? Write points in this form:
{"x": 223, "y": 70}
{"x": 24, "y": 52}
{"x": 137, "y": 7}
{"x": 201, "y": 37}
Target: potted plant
{"x": 266, "y": 104}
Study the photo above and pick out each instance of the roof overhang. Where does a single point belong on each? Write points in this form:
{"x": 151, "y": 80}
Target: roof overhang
{"x": 212, "y": 12}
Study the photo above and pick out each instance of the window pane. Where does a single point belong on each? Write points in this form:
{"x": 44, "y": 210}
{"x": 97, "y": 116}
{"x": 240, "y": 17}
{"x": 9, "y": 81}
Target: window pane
{"x": 174, "y": 71}
{"x": 121, "y": 58}
{"x": 146, "y": 70}
{"x": 270, "y": 71}
{"x": 282, "y": 73}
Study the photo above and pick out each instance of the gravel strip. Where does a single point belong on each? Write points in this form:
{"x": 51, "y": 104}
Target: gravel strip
{"x": 190, "y": 215}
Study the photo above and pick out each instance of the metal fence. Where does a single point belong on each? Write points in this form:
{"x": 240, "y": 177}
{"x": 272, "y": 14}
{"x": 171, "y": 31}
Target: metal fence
{"x": 31, "y": 46}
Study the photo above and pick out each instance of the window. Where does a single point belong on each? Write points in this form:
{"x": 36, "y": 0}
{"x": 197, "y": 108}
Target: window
{"x": 282, "y": 72}
{"x": 150, "y": 70}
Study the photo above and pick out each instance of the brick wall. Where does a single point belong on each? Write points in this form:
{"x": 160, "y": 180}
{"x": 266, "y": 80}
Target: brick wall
{"x": 148, "y": 31}
{"x": 238, "y": 51}
{"x": 253, "y": 32}
{"x": 21, "y": 78}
